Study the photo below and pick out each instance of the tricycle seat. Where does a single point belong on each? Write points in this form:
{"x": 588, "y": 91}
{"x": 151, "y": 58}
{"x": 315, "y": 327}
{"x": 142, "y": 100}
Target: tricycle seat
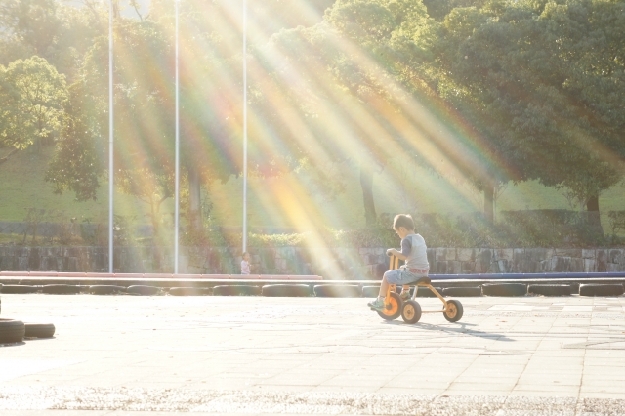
{"x": 423, "y": 281}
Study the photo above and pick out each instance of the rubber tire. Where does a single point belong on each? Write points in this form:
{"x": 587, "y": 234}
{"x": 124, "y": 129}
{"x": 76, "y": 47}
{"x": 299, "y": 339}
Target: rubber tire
{"x": 38, "y": 330}
{"x": 60, "y": 289}
{"x": 595, "y": 289}
{"x": 411, "y": 312}
{"x": 189, "y": 291}
{"x": 370, "y": 291}
{"x": 425, "y": 292}
{"x": 395, "y": 311}
{"x": 19, "y": 289}
{"x": 459, "y": 311}
{"x": 337, "y": 291}
{"x": 106, "y": 289}
{"x": 550, "y": 290}
{"x": 11, "y": 331}
{"x": 287, "y": 290}
{"x": 504, "y": 289}
{"x": 143, "y": 290}
{"x": 462, "y": 292}
{"x": 236, "y": 290}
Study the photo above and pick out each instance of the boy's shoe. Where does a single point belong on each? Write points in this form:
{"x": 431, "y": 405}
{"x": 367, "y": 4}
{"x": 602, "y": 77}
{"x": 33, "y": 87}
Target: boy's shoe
{"x": 404, "y": 295}
{"x": 377, "y": 305}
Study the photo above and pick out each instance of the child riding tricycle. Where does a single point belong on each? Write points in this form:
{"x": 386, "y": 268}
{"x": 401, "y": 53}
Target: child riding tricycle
{"x": 389, "y": 304}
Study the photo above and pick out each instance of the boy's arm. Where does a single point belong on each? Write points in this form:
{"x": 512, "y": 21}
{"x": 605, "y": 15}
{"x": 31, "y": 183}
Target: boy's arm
{"x": 396, "y": 253}
{"x": 406, "y": 247}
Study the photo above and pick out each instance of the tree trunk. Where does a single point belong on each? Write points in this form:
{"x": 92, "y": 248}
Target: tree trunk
{"x": 194, "y": 211}
{"x": 593, "y": 215}
{"x": 489, "y": 198}
{"x": 366, "y": 184}
{"x": 592, "y": 204}
{"x": 154, "y": 208}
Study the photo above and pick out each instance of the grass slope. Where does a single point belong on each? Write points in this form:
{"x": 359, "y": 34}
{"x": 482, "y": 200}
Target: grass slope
{"x": 287, "y": 202}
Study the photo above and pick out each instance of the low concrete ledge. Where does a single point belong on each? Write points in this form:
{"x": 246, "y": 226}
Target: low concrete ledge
{"x": 98, "y": 275}
{"x": 441, "y": 281}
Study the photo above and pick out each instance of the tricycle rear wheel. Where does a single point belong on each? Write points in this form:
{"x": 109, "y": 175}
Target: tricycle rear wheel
{"x": 411, "y": 312}
{"x": 453, "y": 312}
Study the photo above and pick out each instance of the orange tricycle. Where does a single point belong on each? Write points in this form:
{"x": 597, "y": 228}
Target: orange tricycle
{"x": 410, "y": 310}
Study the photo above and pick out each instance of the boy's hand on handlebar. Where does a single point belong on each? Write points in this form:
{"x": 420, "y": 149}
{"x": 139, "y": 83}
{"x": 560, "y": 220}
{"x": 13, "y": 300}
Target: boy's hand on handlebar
{"x": 390, "y": 252}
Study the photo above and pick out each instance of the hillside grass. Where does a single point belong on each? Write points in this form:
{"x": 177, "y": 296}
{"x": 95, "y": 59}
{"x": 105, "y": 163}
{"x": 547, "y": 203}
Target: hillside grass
{"x": 292, "y": 201}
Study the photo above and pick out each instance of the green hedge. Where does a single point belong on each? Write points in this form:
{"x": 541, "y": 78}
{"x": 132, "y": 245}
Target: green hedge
{"x": 528, "y": 228}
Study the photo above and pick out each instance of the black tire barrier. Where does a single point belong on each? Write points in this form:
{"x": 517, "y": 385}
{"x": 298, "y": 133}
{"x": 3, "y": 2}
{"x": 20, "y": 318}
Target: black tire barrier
{"x": 106, "y": 289}
{"x": 189, "y": 291}
{"x": 550, "y": 290}
{"x": 19, "y": 289}
{"x": 287, "y": 290}
{"x": 370, "y": 291}
{"x": 574, "y": 288}
{"x": 504, "y": 289}
{"x": 425, "y": 292}
{"x": 38, "y": 330}
{"x": 60, "y": 289}
{"x": 143, "y": 290}
{"x": 337, "y": 291}
{"x": 11, "y": 330}
{"x": 595, "y": 289}
{"x": 462, "y": 292}
{"x": 237, "y": 290}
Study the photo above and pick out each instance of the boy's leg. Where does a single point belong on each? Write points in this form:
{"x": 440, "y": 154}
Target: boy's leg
{"x": 405, "y": 293}
{"x": 378, "y": 304}
{"x": 383, "y": 287}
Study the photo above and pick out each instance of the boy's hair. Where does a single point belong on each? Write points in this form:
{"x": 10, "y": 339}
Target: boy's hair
{"x": 403, "y": 220}
{"x": 244, "y": 253}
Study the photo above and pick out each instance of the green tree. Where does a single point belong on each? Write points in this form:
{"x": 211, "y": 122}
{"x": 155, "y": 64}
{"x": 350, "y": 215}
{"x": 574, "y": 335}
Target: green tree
{"x": 32, "y": 99}
{"x": 77, "y": 164}
{"x": 345, "y": 95}
{"x": 541, "y": 82}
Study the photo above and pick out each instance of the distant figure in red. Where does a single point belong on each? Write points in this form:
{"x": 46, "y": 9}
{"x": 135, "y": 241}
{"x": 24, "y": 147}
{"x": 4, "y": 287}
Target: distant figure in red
{"x": 245, "y": 263}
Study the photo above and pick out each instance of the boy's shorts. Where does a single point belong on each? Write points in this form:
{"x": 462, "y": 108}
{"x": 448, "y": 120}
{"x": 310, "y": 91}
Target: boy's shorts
{"x": 402, "y": 276}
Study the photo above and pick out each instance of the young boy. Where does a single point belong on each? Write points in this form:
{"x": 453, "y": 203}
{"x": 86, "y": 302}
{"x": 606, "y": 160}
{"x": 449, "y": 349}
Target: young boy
{"x": 413, "y": 251}
{"x": 245, "y": 263}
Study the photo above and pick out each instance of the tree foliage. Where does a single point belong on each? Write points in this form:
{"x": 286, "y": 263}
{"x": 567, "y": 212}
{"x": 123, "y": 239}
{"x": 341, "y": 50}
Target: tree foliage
{"x": 32, "y": 96}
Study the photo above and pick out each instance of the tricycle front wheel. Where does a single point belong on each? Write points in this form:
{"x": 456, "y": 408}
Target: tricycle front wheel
{"x": 393, "y": 307}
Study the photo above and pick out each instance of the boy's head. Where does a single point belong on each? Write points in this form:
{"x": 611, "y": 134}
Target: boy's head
{"x": 403, "y": 225}
{"x": 246, "y": 256}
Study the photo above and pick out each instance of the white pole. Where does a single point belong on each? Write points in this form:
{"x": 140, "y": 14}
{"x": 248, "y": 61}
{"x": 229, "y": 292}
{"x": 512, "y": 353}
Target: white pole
{"x": 177, "y": 213}
{"x": 110, "y": 136}
{"x": 244, "y": 125}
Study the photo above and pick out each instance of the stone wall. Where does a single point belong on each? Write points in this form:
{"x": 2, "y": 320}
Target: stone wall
{"x": 338, "y": 263}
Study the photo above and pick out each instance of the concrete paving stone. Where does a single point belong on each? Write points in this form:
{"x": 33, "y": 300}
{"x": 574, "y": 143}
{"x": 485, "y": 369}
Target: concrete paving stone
{"x": 184, "y": 353}
{"x": 416, "y": 382}
{"x": 374, "y": 380}
{"x": 482, "y": 388}
{"x": 299, "y": 380}
{"x": 481, "y": 379}
{"x": 547, "y": 389}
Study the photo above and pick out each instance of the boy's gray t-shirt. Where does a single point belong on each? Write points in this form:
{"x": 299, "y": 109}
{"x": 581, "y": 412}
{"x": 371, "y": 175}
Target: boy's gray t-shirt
{"x": 414, "y": 248}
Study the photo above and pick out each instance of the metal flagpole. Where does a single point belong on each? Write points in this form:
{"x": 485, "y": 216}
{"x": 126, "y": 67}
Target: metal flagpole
{"x": 244, "y": 125}
{"x": 111, "y": 136}
{"x": 177, "y": 209}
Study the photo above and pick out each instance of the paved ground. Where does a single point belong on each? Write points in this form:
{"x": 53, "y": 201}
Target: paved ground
{"x": 115, "y": 355}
